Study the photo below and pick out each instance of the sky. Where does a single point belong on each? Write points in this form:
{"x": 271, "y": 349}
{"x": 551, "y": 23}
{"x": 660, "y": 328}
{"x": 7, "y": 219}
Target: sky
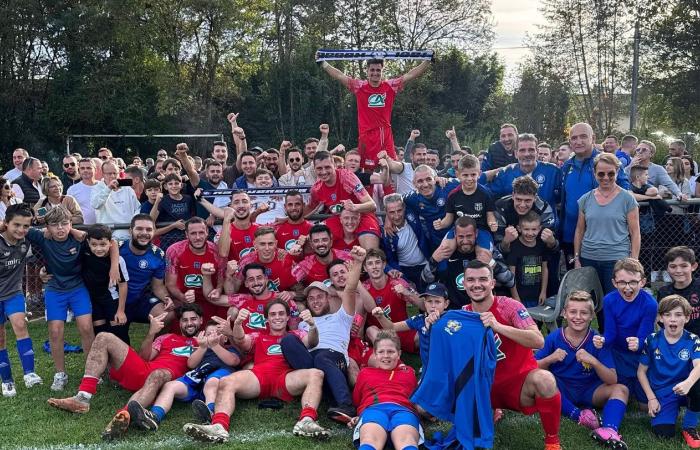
{"x": 513, "y": 18}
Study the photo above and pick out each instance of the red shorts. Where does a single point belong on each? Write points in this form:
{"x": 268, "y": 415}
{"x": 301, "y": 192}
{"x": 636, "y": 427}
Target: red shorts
{"x": 134, "y": 370}
{"x": 506, "y": 394}
{"x": 359, "y": 351}
{"x": 272, "y": 384}
{"x": 408, "y": 341}
{"x": 371, "y": 142}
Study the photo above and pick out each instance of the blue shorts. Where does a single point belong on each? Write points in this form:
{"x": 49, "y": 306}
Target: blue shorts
{"x": 389, "y": 416}
{"x": 634, "y": 387}
{"x": 57, "y": 303}
{"x": 194, "y": 389}
{"x": 12, "y": 305}
{"x": 139, "y": 310}
{"x": 670, "y": 408}
{"x": 582, "y": 396}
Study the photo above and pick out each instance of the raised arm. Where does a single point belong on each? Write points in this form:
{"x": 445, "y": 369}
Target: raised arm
{"x": 452, "y": 136}
{"x": 337, "y": 74}
{"x": 349, "y": 293}
{"x": 181, "y": 155}
{"x": 282, "y": 165}
{"x": 416, "y": 71}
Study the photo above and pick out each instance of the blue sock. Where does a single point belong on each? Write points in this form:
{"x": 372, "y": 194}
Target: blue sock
{"x": 26, "y": 354}
{"x": 159, "y": 412}
{"x": 613, "y": 412}
{"x": 690, "y": 419}
{"x": 5, "y": 369}
{"x": 366, "y": 447}
{"x": 568, "y": 409}
{"x": 210, "y": 406}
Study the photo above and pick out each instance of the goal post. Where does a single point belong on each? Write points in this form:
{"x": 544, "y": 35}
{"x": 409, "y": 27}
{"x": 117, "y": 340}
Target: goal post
{"x": 71, "y": 137}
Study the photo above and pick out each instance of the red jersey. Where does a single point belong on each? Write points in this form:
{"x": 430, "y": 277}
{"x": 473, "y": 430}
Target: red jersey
{"x": 187, "y": 267}
{"x": 241, "y": 241}
{"x": 374, "y": 104}
{"x": 393, "y": 304}
{"x": 256, "y": 320}
{"x": 347, "y": 187}
{"x": 287, "y": 233}
{"x": 339, "y": 243}
{"x": 277, "y": 271}
{"x": 173, "y": 351}
{"x": 267, "y": 351}
{"x": 310, "y": 269}
{"x": 512, "y": 358}
{"x": 375, "y": 385}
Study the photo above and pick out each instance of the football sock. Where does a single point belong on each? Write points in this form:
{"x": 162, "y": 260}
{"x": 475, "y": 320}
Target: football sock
{"x": 550, "y": 414}
{"x": 613, "y": 412}
{"x": 26, "y": 354}
{"x": 5, "y": 369}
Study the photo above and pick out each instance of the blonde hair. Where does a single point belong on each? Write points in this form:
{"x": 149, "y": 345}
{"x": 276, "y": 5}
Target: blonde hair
{"x": 46, "y": 181}
{"x": 607, "y": 158}
{"x": 388, "y": 335}
{"x": 580, "y": 296}
{"x": 57, "y": 214}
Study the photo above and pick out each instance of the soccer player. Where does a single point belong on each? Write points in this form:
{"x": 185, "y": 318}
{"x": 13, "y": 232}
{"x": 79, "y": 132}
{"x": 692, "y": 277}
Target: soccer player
{"x": 314, "y": 266}
{"x": 13, "y": 257}
{"x": 630, "y": 312}
{"x": 158, "y": 361}
{"x": 669, "y": 368}
{"x": 680, "y": 264}
{"x": 375, "y": 100}
{"x": 237, "y": 231}
{"x": 295, "y": 226}
{"x": 518, "y": 385}
{"x": 585, "y": 375}
{"x": 270, "y": 376}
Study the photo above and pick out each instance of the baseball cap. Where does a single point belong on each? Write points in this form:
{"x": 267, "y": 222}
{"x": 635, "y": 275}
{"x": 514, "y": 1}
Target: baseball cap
{"x": 318, "y": 285}
{"x": 436, "y": 290}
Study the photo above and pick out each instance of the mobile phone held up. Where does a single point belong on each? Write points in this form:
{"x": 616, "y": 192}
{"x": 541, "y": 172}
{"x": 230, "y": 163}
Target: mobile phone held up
{"x": 125, "y": 182}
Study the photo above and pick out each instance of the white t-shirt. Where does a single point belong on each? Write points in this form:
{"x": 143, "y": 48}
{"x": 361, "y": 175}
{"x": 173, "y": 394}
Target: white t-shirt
{"x": 404, "y": 180}
{"x": 333, "y": 331}
{"x": 10, "y": 175}
{"x": 409, "y": 254}
{"x": 82, "y": 193}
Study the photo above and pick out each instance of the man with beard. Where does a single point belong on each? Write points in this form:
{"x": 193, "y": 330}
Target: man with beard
{"x": 158, "y": 361}
{"x": 248, "y": 166}
{"x": 331, "y": 353}
{"x": 314, "y": 266}
{"x": 212, "y": 179}
{"x": 501, "y": 152}
{"x": 237, "y": 231}
{"x": 519, "y": 385}
{"x": 82, "y": 192}
{"x": 402, "y": 173}
{"x": 295, "y": 171}
{"x": 18, "y": 157}
{"x": 145, "y": 263}
{"x": 70, "y": 175}
{"x": 548, "y": 176}
{"x": 183, "y": 276}
{"x": 290, "y": 230}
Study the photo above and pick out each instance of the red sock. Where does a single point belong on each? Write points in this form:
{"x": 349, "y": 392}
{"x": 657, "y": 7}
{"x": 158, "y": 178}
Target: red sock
{"x": 221, "y": 418}
{"x": 550, "y": 416}
{"x": 308, "y": 411}
{"x": 123, "y": 409}
{"x": 88, "y": 384}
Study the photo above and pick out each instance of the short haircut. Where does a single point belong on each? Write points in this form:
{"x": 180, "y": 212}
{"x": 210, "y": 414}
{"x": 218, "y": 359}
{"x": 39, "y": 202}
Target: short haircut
{"x": 525, "y": 185}
{"x": 671, "y": 302}
{"x": 650, "y": 144}
{"x": 262, "y": 171}
{"x": 18, "y": 210}
{"x": 685, "y": 253}
{"x": 352, "y": 152}
{"x": 294, "y": 150}
{"x": 375, "y": 61}
{"x": 334, "y": 263}
{"x": 293, "y": 193}
{"x": 628, "y": 138}
{"x": 432, "y": 151}
{"x": 152, "y": 183}
{"x": 528, "y": 137}
{"x": 388, "y": 335}
{"x": 320, "y": 228}
{"x": 219, "y": 143}
{"x": 253, "y": 266}
{"x": 469, "y": 162}
{"x": 475, "y": 264}
{"x": 194, "y": 220}
{"x": 310, "y": 141}
{"x": 321, "y": 155}
{"x": 57, "y": 214}
{"x": 135, "y": 172}
{"x": 392, "y": 198}
{"x": 509, "y": 125}
{"x": 636, "y": 172}
{"x": 544, "y": 145}
{"x": 611, "y": 136}
{"x": 188, "y": 307}
{"x": 420, "y": 145}
{"x": 247, "y": 153}
{"x": 99, "y": 231}
{"x": 273, "y": 151}
{"x": 630, "y": 265}
{"x": 458, "y": 152}
{"x": 376, "y": 253}
{"x": 212, "y": 162}
{"x": 678, "y": 142}
{"x": 28, "y": 162}
{"x": 580, "y": 296}
{"x": 465, "y": 221}
{"x": 170, "y": 161}
{"x": 172, "y": 177}
{"x": 139, "y": 217}
{"x": 565, "y": 144}
{"x": 425, "y": 168}
{"x": 262, "y": 231}
{"x": 607, "y": 158}
{"x": 530, "y": 217}
{"x": 276, "y": 302}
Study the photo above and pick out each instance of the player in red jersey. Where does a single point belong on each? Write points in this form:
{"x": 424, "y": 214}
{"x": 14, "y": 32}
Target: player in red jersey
{"x": 392, "y": 295}
{"x": 375, "y": 100}
{"x": 237, "y": 231}
{"x": 183, "y": 277}
{"x": 518, "y": 384}
{"x": 338, "y": 189}
{"x": 314, "y": 267}
{"x": 344, "y": 229}
{"x": 290, "y": 230}
{"x": 270, "y": 376}
{"x": 159, "y": 360}
{"x": 382, "y": 396}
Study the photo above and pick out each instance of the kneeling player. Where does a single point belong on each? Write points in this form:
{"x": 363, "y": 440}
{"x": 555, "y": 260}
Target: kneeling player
{"x": 518, "y": 385}
{"x": 382, "y": 395}
{"x": 669, "y": 369}
{"x": 585, "y": 375}
{"x": 270, "y": 376}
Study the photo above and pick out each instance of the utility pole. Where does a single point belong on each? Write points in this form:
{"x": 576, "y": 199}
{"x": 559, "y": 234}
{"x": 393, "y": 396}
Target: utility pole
{"x": 635, "y": 78}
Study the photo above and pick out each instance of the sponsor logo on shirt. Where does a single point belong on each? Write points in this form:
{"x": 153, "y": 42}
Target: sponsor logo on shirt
{"x": 274, "y": 350}
{"x": 499, "y": 353}
{"x": 335, "y": 209}
{"x": 182, "y": 351}
{"x": 256, "y": 321}
{"x": 459, "y": 281}
{"x": 244, "y": 252}
{"x": 193, "y": 281}
{"x": 452, "y": 327}
{"x": 376, "y": 100}
{"x": 274, "y": 285}
{"x": 289, "y": 244}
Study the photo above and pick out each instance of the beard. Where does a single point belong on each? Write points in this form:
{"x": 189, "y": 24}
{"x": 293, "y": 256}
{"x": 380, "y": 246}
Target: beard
{"x": 140, "y": 246}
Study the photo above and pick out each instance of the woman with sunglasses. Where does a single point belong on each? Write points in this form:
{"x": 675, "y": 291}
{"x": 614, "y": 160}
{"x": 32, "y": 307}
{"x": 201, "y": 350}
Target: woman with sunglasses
{"x": 608, "y": 224}
{"x": 52, "y": 188}
{"x": 7, "y": 197}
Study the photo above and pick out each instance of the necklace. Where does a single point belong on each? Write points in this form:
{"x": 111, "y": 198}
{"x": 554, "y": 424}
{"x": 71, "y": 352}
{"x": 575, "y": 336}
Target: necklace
{"x": 608, "y": 195}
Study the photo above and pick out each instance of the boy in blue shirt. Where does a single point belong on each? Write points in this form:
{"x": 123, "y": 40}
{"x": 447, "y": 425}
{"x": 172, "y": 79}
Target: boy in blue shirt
{"x": 585, "y": 375}
{"x": 630, "y": 313}
{"x": 669, "y": 368}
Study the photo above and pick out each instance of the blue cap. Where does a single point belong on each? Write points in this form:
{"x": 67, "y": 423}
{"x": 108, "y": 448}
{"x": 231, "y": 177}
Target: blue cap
{"x": 436, "y": 290}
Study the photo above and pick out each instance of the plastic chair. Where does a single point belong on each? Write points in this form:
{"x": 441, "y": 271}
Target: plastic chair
{"x": 582, "y": 279}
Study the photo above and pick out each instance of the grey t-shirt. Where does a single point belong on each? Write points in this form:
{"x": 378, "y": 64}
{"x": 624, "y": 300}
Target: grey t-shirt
{"x": 12, "y": 262}
{"x": 607, "y": 236}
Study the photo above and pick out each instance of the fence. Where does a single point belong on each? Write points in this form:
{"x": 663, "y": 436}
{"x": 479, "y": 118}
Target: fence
{"x": 670, "y": 230}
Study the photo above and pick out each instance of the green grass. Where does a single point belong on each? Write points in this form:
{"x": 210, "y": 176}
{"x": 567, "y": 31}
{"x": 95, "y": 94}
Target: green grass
{"x": 27, "y": 422}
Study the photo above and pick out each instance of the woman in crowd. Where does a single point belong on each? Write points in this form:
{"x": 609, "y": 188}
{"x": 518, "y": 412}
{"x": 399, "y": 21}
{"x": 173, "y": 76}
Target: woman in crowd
{"x": 690, "y": 175}
{"x": 52, "y": 188}
{"x": 674, "y": 167}
{"x": 7, "y": 197}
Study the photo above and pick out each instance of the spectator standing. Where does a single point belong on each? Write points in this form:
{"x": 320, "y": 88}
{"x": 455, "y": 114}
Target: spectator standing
{"x": 26, "y": 187}
{"x": 502, "y": 152}
{"x": 18, "y": 157}
{"x": 7, "y": 197}
{"x": 70, "y": 174}
{"x": 82, "y": 192}
{"x": 112, "y": 202}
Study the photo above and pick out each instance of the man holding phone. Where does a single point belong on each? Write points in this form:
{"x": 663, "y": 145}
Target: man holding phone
{"x": 114, "y": 200}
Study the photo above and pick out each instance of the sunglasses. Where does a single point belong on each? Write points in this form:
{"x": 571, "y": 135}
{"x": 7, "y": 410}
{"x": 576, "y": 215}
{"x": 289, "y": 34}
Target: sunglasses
{"x": 66, "y": 165}
{"x": 294, "y": 159}
{"x": 642, "y": 150}
{"x": 606, "y": 174}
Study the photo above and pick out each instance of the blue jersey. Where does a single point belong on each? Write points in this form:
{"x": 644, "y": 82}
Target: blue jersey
{"x": 669, "y": 364}
{"x": 428, "y": 210}
{"x": 142, "y": 268}
{"x": 62, "y": 260}
{"x": 627, "y": 319}
{"x": 624, "y": 158}
{"x": 417, "y": 323}
{"x": 548, "y": 177}
{"x": 575, "y": 376}
{"x": 457, "y": 381}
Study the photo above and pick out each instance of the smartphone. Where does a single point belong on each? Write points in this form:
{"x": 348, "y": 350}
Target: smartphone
{"x": 125, "y": 182}
{"x": 41, "y": 212}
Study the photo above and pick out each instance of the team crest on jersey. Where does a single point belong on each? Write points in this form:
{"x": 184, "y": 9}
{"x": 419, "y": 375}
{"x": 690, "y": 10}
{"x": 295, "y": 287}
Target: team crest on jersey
{"x": 684, "y": 354}
{"x": 295, "y": 232}
{"x": 586, "y": 366}
{"x": 540, "y": 179}
{"x": 289, "y": 244}
{"x": 410, "y": 217}
{"x": 657, "y": 354}
{"x": 379, "y": 300}
{"x": 452, "y": 327}
{"x": 274, "y": 350}
{"x": 478, "y": 206}
{"x": 182, "y": 351}
{"x": 376, "y": 100}
{"x": 256, "y": 321}
{"x": 459, "y": 281}
{"x": 333, "y": 197}
{"x": 441, "y": 202}
{"x": 143, "y": 264}
{"x": 193, "y": 281}
{"x": 358, "y": 187}
{"x": 524, "y": 314}
{"x": 247, "y": 239}
{"x": 197, "y": 265}
{"x": 261, "y": 308}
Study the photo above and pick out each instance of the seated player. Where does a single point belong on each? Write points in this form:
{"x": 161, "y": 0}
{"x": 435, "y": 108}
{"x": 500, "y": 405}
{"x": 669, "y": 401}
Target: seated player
{"x": 209, "y": 363}
{"x": 270, "y": 377}
{"x": 669, "y": 368}
{"x": 382, "y": 396}
{"x": 344, "y": 229}
{"x": 585, "y": 375}
{"x": 314, "y": 267}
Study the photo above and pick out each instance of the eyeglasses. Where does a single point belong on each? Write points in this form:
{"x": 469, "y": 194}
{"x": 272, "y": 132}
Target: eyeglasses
{"x": 67, "y": 165}
{"x": 632, "y": 284}
{"x": 294, "y": 159}
{"x": 642, "y": 150}
{"x": 605, "y": 174}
